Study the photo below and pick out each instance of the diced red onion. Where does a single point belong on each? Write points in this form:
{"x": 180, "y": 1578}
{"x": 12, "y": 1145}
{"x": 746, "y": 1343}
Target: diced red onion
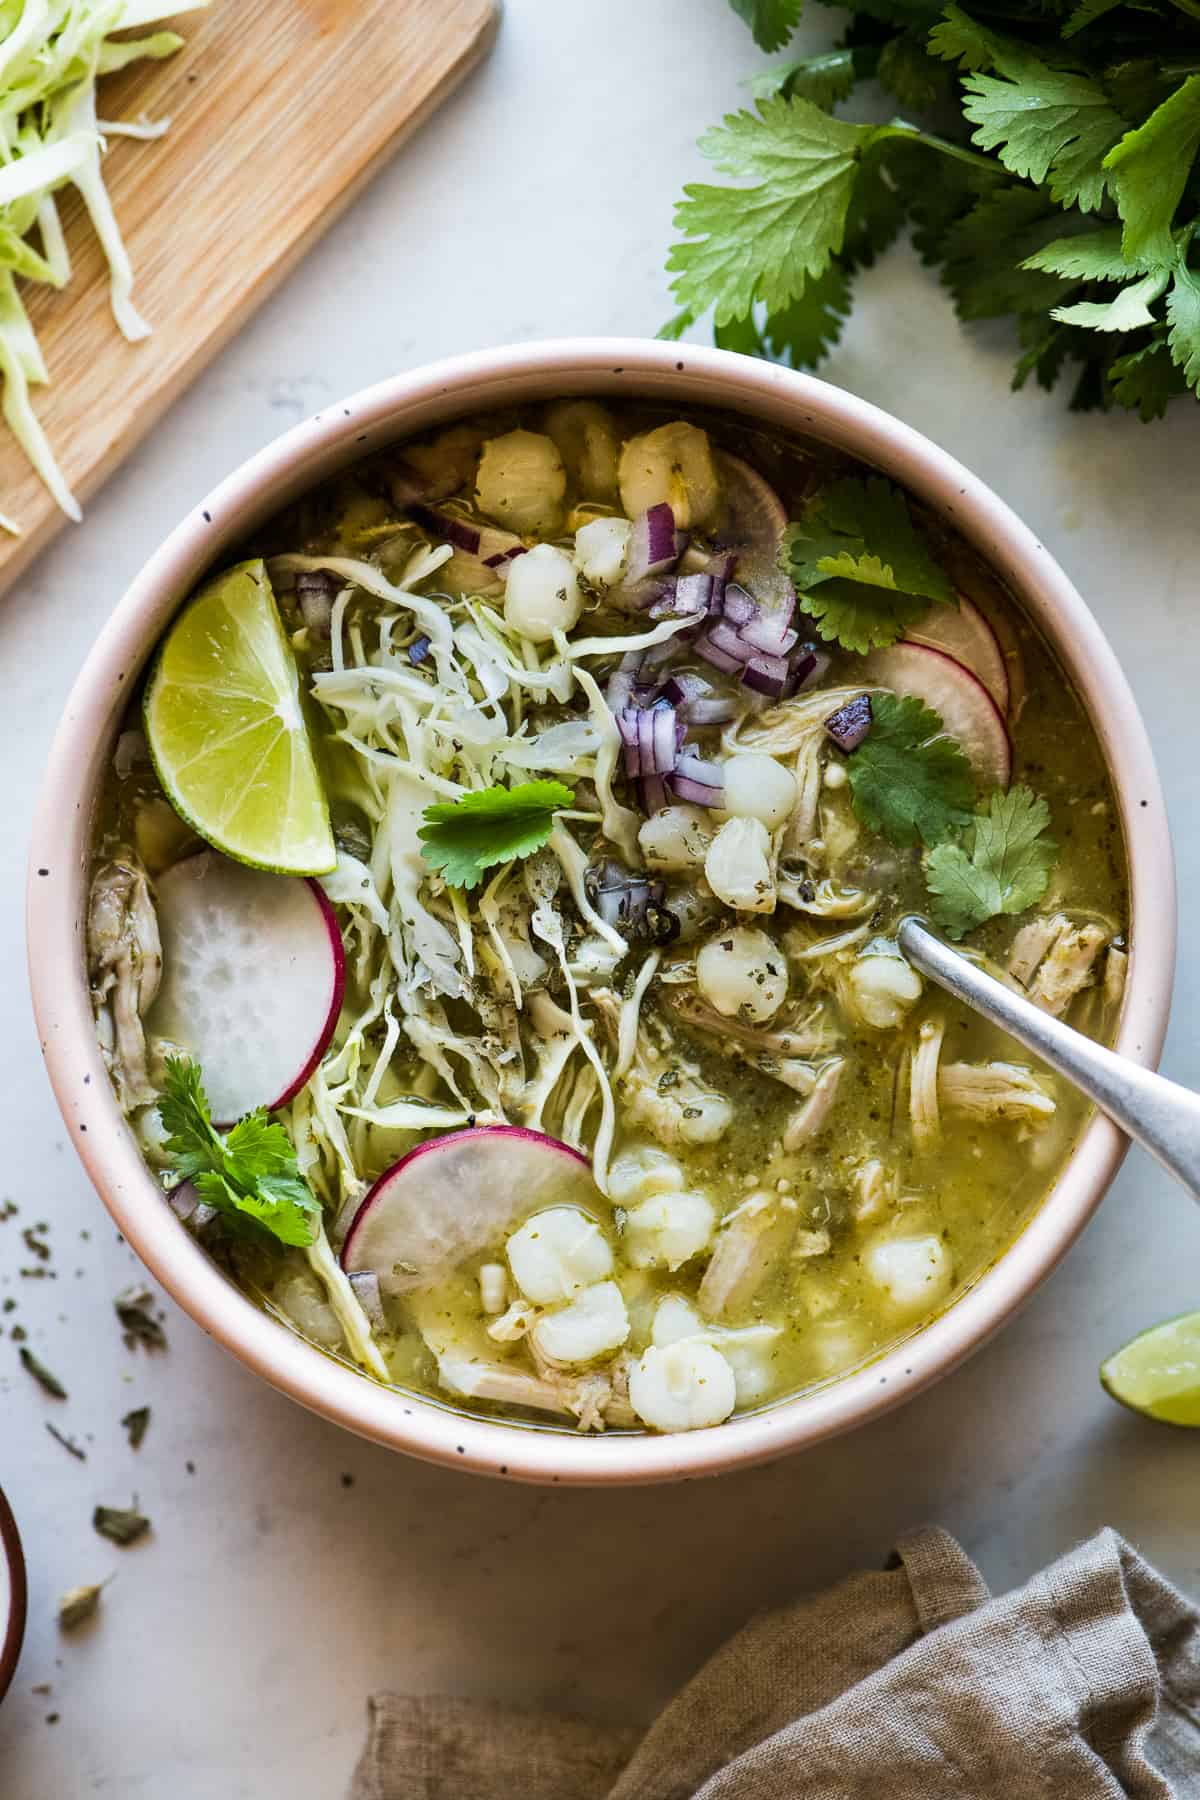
{"x": 629, "y": 725}
{"x": 700, "y": 769}
{"x": 448, "y": 527}
{"x": 738, "y": 606}
{"x": 724, "y": 636}
{"x": 767, "y": 675}
{"x": 697, "y": 781}
{"x": 808, "y": 668}
{"x": 849, "y": 725}
{"x": 654, "y": 544}
{"x": 418, "y": 650}
{"x": 720, "y": 659}
{"x": 683, "y": 688}
{"x": 654, "y": 793}
{"x": 665, "y": 741}
{"x": 687, "y": 596}
{"x": 694, "y": 792}
{"x": 770, "y": 634}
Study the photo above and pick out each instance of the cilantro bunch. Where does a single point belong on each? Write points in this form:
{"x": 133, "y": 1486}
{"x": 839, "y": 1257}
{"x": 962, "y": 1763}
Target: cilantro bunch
{"x": 1047, "y": 170}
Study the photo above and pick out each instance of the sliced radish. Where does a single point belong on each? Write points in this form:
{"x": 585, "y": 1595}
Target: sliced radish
{"x": 253, "y": 977}
{"x": 753, "y": 521}
{"x": 965, "y": 634}
{"x": 967, "y": 710}
{"x": 455, "y": 1196}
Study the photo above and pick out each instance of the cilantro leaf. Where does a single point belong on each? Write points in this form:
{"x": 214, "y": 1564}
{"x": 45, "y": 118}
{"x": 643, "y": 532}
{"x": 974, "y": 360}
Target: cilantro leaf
{"x": 800, "y": 333}
{"x": 861, "y": 568}
{"x": 251, "y": 1172}
{"x": 1144, "y": 380}
{"x": 907, "y": 779}
{"x": 1092, "y": 256}
{"x": 822, "y": 79}
{"x": 464, "y": 837}
{"x": 1149, "y": 170}
{"x": 1128, "y": 310}
{"x": 1046, "y": 125}
{"x": 771, "y": 21}
{"x": 762, "y": 241}
{"x": 1183, "y": 314}
{"x": 1002, "y": 866}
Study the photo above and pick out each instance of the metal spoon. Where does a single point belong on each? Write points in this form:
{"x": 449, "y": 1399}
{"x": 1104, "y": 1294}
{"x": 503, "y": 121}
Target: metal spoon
{"x": 1156, "y": 1113}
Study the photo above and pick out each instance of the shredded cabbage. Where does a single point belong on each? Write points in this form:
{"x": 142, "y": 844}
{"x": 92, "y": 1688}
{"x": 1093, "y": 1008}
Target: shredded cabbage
{"x": 51, "y": 55}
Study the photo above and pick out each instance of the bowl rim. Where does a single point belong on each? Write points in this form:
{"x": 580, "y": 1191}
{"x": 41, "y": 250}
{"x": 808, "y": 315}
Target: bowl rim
{"x": 14, "y": 1625}
{"x": 295, "y": 461}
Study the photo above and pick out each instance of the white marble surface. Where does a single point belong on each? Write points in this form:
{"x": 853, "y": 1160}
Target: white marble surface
{"x": 237, "y": 1646}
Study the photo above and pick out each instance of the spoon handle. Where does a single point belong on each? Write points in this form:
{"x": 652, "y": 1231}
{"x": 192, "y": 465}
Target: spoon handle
{"x": 1161, "y": 1116}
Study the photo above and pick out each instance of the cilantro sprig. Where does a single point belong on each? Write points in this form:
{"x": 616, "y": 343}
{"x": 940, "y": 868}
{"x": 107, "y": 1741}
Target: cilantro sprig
{"x": 463, "y": 838}
{"x": 1002, "y": 864}
{"x": 1079, "y": 123}
{"x": 908, "y": 780}
{"x": 861, "y": 568}
{"x": 249, "y": 1172}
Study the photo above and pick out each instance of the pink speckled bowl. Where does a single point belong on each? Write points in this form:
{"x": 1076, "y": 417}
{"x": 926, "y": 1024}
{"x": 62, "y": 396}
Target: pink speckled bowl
{"x": 305, "y": 456}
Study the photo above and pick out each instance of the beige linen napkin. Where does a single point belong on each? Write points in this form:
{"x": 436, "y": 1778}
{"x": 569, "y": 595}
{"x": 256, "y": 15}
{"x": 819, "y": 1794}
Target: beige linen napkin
{"x": 911, "y": 1684}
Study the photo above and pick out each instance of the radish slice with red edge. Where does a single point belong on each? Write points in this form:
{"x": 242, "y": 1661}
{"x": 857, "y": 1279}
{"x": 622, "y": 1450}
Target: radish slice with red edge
{"x": 253, "y": 977}
{"x": 964, "y": 633}
{"x": 967, "y": 710}
{"x": 456, "y": 1196}
{"x": 753, "y": 522}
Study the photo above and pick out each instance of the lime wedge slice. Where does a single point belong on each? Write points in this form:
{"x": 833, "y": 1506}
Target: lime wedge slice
{"x": 226, "y": 729}
{"x": 1158, "y": 1372}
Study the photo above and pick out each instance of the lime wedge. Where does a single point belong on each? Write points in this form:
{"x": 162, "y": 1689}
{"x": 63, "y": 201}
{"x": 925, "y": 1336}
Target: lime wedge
{"x": 226, "y": 729}
{"x": 1158, "y": 1372}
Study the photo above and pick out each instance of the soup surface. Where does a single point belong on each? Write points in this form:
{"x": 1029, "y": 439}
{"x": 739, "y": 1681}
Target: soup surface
{"x": 630, "y": 738}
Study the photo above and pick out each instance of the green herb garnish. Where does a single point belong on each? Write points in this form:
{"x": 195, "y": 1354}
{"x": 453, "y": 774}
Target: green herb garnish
{"x": 1002, "y": 865}
{"x": 134, "y": 1309}
{"x": 136, "y": 1425}
{"x": 862, "y": 570}
{"x": 908, "y": 780}
{"x": 68, "y": 1443}
{"x": 78, "y": 1605}
{"x": 41, "y": 1374}
{"x": 462, "y": 838}
{"x": 249, "y": 1173}
{"x": 122, "y": 1525}
{"x": 1079, "y": 123}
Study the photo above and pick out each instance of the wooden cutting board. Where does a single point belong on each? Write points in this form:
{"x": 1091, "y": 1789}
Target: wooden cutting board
{"x": 281, "y": 110}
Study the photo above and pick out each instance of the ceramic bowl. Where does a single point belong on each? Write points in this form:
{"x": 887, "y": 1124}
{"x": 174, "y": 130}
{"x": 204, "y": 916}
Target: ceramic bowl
{"x": 12, "y": 1596}
{"x": 677, "y": 375}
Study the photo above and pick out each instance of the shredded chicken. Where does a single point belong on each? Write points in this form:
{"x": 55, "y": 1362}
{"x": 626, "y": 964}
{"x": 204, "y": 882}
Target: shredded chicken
{"x": 125, "y": 966}
{"x": 877, "y": 1188}
{"x": 1116, "y": 965}
{"x": 1054, "y": 960}
{"x": 812, "y": 1035}
{"x": 813, "y": 1116}
{"x": 923, "y": 1083}
{"x": 749, "y": 1245}
{"x": 1031, "y": 944}
{"x": 994, "y": 1090}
